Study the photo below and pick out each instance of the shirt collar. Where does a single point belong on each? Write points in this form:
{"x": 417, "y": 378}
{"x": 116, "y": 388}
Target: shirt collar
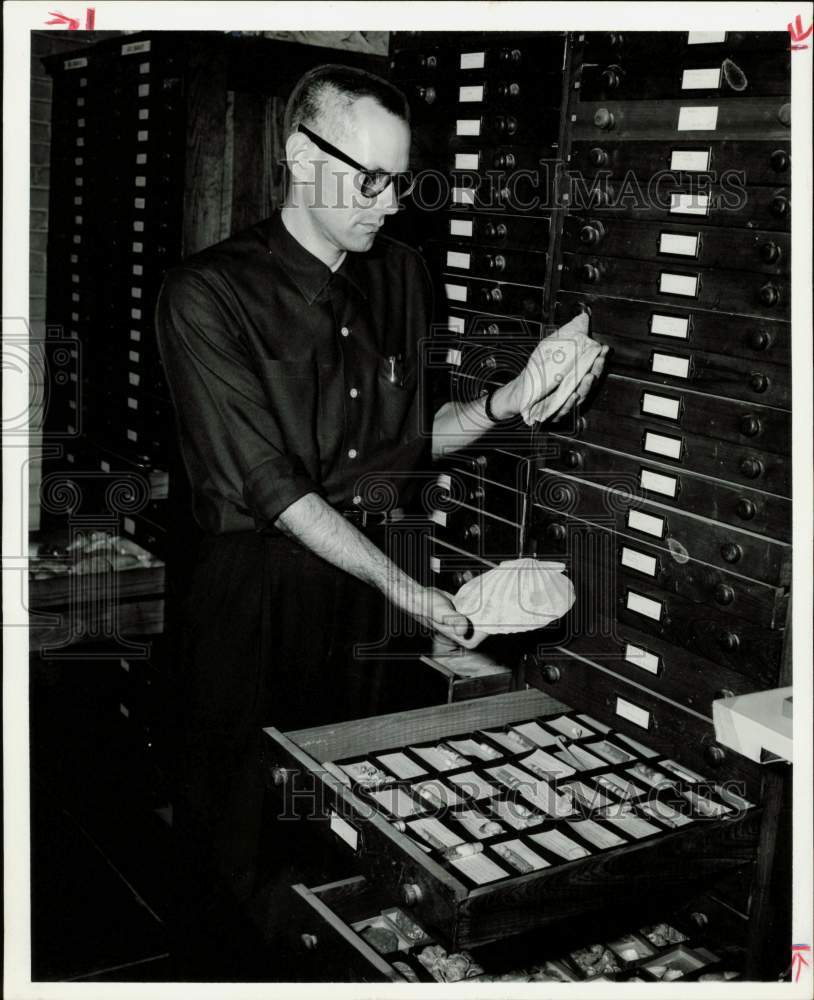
{"x": 309, "y": 273}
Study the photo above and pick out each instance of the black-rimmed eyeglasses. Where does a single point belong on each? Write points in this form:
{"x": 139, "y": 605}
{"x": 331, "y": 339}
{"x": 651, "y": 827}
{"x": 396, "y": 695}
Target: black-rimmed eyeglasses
{"x": 370, "y": 183}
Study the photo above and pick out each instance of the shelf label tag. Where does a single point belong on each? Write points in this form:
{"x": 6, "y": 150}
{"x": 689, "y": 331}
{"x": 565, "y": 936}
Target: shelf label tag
{"x": 640, "y": 561}
{"x": 456, "y": 324}
{"x": 670, "y": 326}
{"x": 643, "y": 605}
{"x": 705, "y": 37}
{"x": 458, "y": 293}
{"x": 660, "y": 406}
{"x": 454, "y": 357}
{"x": 657, "y": 482}
{"x": 457, "y": 259}
{"x": 682, "y": 203}
{"x": 467, "y": 126}
{"x": 467, "y": 161}
{"x": 627, "y": 710}
{"x": 697, "y": 119}
{"x": 463, "y": 196}
{"x": 470, "y": 94}
{"x": 678, "y": 284}
{"x": 669, "y": 364}
{"x": 460, "y": 227}
{"x": 678, "y": 243}
{"x": 439, "y": 517}
{"x": 132, "y": 47}
{"x": 648, "y": 524}
{"x": 473, "y": 60}
{"x": 661, "y": 444}
{"x": 343, "y": 830}
{"x": 641, "y": 658}
{"x": 701, "y": 79}
{"x": 689, "y": 159}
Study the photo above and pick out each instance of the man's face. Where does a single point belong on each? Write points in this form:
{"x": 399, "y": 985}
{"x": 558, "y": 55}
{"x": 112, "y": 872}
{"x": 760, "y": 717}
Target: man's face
{"x": 343, "y": 216}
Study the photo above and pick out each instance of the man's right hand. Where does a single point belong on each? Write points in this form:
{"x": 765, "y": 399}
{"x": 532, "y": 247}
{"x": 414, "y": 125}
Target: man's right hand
{"x": 435, "y": 610}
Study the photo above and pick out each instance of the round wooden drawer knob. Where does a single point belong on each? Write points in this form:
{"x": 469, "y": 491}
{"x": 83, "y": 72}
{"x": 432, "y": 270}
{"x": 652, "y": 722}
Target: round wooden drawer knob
{"x": 556, "y": 532}
{"x": 279, "y": 775}
{"x": 759, "y": 340}
{"x": 309, "y": 941}
{"x": 589, "y": 273}
{"x": 752, "y": 468}
{"x": 572, "y": 458}
{"x": 591, "y": 233}
{"x": 731, "y": 552}
{"x": 779, "y": 206}
{"x": 498, "y": 231}
{"x": 750, "y": 425}
{"x": 745, "y": 509}
{"x": 699, "y": 919}
{"x": 758, "y": 382}
{"x": 770, "y": 252}
{"x": 769, "y": 295}
{"x": 724, "y": 594}
{"x": 715, "y": 756}
{"x": 598, "y": 156}
{"x": 411, "y": 894}
{"x": 724, "y": 693}
{"x": 779, "y": 160}
{"x": 611, "y": 77}
{"x": 496, "y": 262}
{"x": 551, "y": 674}
{"x": 729, "y": 641}
{"x": 604, "y": 119}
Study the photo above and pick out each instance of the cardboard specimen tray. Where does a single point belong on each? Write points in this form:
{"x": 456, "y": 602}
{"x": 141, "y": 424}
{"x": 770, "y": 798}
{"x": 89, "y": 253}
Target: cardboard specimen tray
{"x": 424, "y": 873}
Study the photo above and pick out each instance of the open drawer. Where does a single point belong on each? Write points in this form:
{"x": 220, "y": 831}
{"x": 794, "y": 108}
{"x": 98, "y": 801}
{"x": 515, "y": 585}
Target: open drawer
{"x": 657, "y": 855}
{"x": 350, "y": 931}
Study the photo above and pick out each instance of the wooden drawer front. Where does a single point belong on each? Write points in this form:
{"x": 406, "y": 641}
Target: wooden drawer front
{"x": 700, "y": 76}
{"x": 500, "y": 466}
{"x": 686, "y": 535}
{"x": 760, "y": 341}
{"x": 480, "y": 534}
{"x": 470, "y": 156}
{"x": 322, "y": 936}
{"x": 507, "y": 92}
{"x": 461, "y": 258}
{"x": 675, "y": 673}
{"x": 681, "y": 244}
{"x": 519, "y": 127}
{"x": 697, "y": 413}
{"x": 742, "y": 465}
{"x": 604, "y": 695}
{"x": 677, "y": 284}
{"x": 510, "y": 231}
{"x": 471, "y": 324}
{"x": 453, "y": 568}
{"x": 443, "y": 903}
{"x": 495, "y": 297}
{"x": 476, "y": 56}
{"x": 722, "y": 926}
{"x": 502, "y": 191}
{"x": 725, "y": 596}
{"x": 475, "y": 491}
{"x": 676, "y": 47}
{"x": 761, "y": 163}
{"x": 673, "y": 198}
{"x": 699, "y": 119}
{"x": 763, "y": 513}
{"x": 490, "y": 359}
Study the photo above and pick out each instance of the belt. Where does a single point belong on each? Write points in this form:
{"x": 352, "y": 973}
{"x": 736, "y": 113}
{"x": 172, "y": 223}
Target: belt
{"x": 372, "y": 518}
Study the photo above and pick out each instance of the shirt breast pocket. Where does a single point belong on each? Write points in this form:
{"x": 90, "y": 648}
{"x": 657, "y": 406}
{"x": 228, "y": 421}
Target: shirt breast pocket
{"x": 397, "y": 384}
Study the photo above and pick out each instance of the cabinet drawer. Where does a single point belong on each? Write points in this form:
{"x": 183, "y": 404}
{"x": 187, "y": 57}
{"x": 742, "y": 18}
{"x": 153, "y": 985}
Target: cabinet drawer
{"x": 512, "y": 191}
{"x": 729, "y": 598}
{"x": 478, "y": 56}
{"x": 699, "y": 74}
{"x": 674, "y": 47}
{"x": 679, "y": 674}
{"x": 516, "y": 265}
{"x": 689, "y": 118}
{"x": 509, "y": 231}
{"x": 456, "y": 487}
{"x": 762, "y": 513}
{"x": 442, "y": 899}
{"x": 685, "y": 534}
{"x": 671, "y": 198}
{"x": 764, "y": 345}
{"x": 677, "y": 284}
{"x": 660, "y": 726}
{"x": 481, "y": 534}
{"x": 494, "y": 297}
{"x": 764, "y": 252}
{"x": 697, "y": 413}
{"x": 468, "y": 324}
{"x": 744, "y": 466}
{"x": 506, "y": 91}
{"x": 521, "y": 127}
{"x": 760, "y": 163}
{"x": 492, "y": 360}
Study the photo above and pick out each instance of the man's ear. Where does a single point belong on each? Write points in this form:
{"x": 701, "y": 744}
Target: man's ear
{"x": 296, "y": 154}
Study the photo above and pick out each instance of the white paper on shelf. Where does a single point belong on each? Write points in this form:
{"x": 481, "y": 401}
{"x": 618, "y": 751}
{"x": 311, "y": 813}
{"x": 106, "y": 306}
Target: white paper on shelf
{"x": 434, "y": 832}
{"x": 610, "y": 752}
{"x": 343, "y": 830}
{"x": 590, "y": 798}
{"x": 456, "y": 324}
{"x": 463, "y": 196}
{"x": 580, "y": 757}
{"x": 633, "y": 826}
{"x": 620, "y": 786}
{"x": 598, "y": 727}
{"x": 569, "y": 727}
{"x": 524, "y": 852}
{"x": 454, "y": 357}
{"x": 545, "y": 766}
{"x": 664, "y": 813}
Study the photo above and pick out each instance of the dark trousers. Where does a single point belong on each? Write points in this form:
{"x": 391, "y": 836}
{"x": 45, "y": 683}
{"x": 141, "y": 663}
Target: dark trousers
{"x": 271, "y": 635}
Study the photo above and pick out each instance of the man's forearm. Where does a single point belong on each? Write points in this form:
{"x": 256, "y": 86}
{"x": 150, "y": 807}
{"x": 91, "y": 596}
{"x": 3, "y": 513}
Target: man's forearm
{"x": 315, "y": 524}
{"x": 457, "y": 425}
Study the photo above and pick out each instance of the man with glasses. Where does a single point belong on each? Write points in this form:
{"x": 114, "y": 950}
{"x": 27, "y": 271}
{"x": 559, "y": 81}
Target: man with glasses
{"x": 292, "y": 351}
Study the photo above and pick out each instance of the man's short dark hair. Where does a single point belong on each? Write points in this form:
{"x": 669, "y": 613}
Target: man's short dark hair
{"x": 323, "y": 97}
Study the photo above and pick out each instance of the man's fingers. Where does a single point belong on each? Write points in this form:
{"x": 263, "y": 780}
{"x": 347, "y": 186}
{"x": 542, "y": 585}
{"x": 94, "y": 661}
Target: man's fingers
{"x": 460, "y": 625}
{"x": 568, "y": 405}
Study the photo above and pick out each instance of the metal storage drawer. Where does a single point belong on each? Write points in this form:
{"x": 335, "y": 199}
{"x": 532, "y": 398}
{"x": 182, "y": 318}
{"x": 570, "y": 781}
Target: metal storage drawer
{"x": 494, "y": 297}
{"x": 677, "y": 46}
{"x": 442, "y": 902}
{"x": 464, "y": 258}
{"x": 500, "y": 230}
{"x": 483, "y": 535}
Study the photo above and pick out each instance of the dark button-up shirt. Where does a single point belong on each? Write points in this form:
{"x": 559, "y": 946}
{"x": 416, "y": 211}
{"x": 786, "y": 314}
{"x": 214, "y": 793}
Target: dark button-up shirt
{"x": 289, "y": 378}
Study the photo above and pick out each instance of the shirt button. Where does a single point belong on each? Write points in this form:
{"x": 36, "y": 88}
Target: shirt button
{"x": 352, "y": 453}
{"x": 344, "y": 331}
{"x": 354, "y": 393}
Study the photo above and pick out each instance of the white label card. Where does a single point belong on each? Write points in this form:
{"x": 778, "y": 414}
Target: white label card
{"x": 463, "y": 196}
{"x": 467, "y": 126}
{"x": 661, "y": 406}
{"x": 129, "y": 525}
{"x": 633, "y": 713}
{"x": 457, "y": 259}
{"x": 697, "y": 119}
{"x": 642, "y": 658}
{"x": 690, "y": 159}
{"x": 661, "y": 444}
{"x": 75, "y": 63}
{"x": 458, "y": 293}
{"x": 689, "y": 204}
{"x": 648, "y": 524}
{"x": 460, "y": 227}
{"x": 656, "y": 482}
{"x": 454, "y": 357}
{"x": 670, "y": 326}
{"x": 344, "y": 830}
{"x": 439, "y": 517}
{"x": 678, "y": 243}
{"x": 640, "y": 561}
{"x": 701, "y": 79}
{"x": 467, "y": 161}
{"x": 678, "y": 284}
{"x": 472, "y": 60}
{"x": 456, "y": 324}
{"x": 669, "y": 364}
{"x": 470, "y": 94}
{"x": 435, "y": 564}
{"x": 133, "y": 47}
{"x": 705, "y": 37}
{"x": 643, "y": 606}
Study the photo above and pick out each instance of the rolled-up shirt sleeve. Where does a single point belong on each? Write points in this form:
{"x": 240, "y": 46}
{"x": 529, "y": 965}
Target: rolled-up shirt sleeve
{"x": 227, "y": 429}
